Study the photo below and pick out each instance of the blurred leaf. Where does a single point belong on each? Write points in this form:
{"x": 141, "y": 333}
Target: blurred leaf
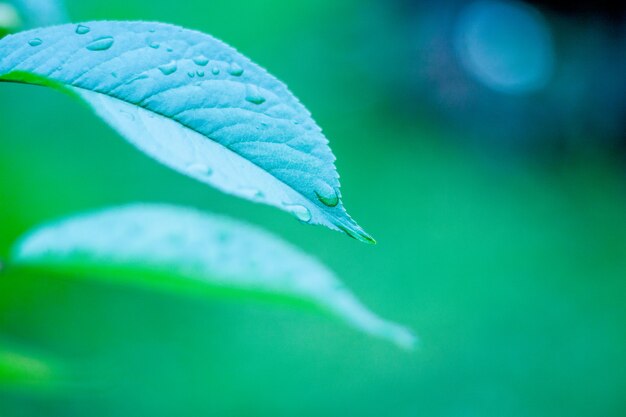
{"x": 20, "y": 368}
{"x": 9, "y": 19}
{"x": 182, "y": 250}
{"x": 36, "y": 13}
{"x": 194, "y": 104}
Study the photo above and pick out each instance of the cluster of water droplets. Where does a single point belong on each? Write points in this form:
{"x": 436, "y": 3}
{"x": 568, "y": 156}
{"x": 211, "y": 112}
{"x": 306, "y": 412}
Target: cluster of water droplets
{"x": 326, "y": 194}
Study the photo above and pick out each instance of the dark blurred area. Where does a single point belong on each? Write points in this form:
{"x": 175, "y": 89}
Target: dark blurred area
{"x": 538, "y": 77}
{"x": 483, "y": 144}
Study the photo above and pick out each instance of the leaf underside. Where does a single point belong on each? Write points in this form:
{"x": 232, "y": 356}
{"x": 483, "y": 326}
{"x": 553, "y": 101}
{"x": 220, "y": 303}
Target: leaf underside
{"x": 194, "y": 104}
{"x": 161, "y": 246}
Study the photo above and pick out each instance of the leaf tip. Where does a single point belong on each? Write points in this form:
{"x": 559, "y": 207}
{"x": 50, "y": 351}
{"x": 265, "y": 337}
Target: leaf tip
{"x": 397, "y": 334}
{"x": 405, "y": 339}
{"x": 356, "y": 232}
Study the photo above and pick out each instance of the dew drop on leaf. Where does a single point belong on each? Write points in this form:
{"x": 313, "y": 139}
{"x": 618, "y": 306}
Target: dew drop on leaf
{"x": 201, "y": 60}
{"x": 82, "y": 29}
{"x": 327, "y": 195}
{"x": 253, "y": 95}
{"x": 35, "y": 42}
{"x": 101, "y": 44}
{"x": 168, "y": 69}
{"x": 215, "y": 70}
{"x": 302, "y": 213}
{"x": 200, "y": 73}
{"x": 235, "y": 69}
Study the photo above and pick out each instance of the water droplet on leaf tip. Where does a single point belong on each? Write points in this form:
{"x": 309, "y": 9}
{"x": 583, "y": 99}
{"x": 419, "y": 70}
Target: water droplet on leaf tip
{"x": 302, "y": 213}
{"x": 35, "y": 42}
{"x": 327, "y": 195}
{"x": 82, "y": 29}
{"x": 168, "y": 69}
{"x": 101, "y": 44}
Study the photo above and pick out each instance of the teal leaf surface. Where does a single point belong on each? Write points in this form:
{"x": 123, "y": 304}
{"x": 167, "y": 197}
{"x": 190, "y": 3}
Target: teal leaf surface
{"x": 183, "y": 250}
{"x": 196, "y": 105}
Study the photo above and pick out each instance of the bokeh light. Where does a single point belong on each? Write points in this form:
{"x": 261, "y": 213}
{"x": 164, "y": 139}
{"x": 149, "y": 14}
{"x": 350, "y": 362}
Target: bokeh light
{"x": 507, "y": 46}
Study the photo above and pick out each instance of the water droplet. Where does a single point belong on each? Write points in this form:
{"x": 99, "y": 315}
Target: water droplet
{"x": 215, "y": 70}
{"x": 252, "y": 193}
{"x": 235, "y": 69}
{"x": 201, "y": 60}
{"x": 82, "y": 29}
{"x": 199, "y": 168}
{"x": 253, "y": 95}
{"x": 327, "y": 195}
{"x": 200, "y": 73}
{"x": 114, "y": 74}
{"x": 154, "y": 45}
{"x": 35, "y": 42}
{"x": 168, "y": 69}
{"x": 128, "y": 115}
{"x": 169, "y": 50}
{"x": 101, "y": 44}
{"x": 191, "y": 74}
{"x": 152, "y": 30}
{"x": 302, "y": 213}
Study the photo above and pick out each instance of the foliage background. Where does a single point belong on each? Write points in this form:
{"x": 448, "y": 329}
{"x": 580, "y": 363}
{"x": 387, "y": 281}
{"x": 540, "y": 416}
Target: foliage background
{"x": 500, "y": 219}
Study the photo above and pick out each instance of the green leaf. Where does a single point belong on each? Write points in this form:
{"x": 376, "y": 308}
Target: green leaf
{"x": 9, "y": 19}
{"x": 22, "y": 369}
{"x": 40, "y": 12}
{"x": 182, "y": 250}
{"x": 194, "y": 104}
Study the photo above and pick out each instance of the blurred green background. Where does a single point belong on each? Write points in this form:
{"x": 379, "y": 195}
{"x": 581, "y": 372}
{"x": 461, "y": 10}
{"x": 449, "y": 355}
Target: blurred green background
{"x": 487, "y": 159}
